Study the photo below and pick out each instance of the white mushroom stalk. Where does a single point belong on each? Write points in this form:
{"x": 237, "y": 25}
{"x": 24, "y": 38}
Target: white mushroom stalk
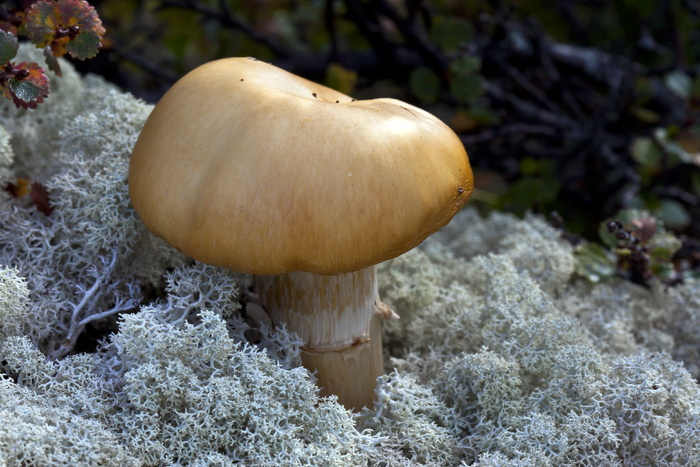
{"x": 339, "y": 320}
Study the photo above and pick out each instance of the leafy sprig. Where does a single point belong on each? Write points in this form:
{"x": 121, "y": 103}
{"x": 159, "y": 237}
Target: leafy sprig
{"x": 24, "y": 83}
{"x": 639, "y": 249}
{"x": 67, "y": 26}
{"x": 60, "y": 27}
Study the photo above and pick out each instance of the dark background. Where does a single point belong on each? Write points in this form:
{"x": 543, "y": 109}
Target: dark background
{"x": 579, "y": 107}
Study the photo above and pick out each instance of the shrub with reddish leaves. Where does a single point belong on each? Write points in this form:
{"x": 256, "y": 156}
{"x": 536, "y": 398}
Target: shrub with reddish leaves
{"x": 60, "y": 27}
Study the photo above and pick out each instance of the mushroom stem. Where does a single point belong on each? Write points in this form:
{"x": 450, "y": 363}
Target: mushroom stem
{"x": 339, "y": 319}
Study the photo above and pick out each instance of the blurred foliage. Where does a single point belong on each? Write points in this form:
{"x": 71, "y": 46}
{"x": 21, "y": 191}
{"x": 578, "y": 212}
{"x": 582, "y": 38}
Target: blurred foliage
{"x": 583, "y": 107}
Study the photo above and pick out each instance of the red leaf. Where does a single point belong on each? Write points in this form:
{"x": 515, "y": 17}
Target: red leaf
{"x": 41, "y": 23}
{"x": 37, "y": 192}
{"x": 8, "y": 46}
{"x": 40, "y": 197}
{"x": 28, "y": 87}
{"x": 68, "y": 26}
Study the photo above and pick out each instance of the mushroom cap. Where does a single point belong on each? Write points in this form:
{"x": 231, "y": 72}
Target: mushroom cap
{"x": 246, "y": 166}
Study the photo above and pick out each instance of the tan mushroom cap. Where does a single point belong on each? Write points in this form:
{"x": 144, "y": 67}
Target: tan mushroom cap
{"x": 246, "y": 166}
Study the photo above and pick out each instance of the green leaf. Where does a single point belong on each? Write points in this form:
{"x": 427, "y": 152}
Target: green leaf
{"x": 425, "y": 85}
{"x": 52, "y": 61}
{"x": 664, "y": 270}
{"x": 450, "y": 32}
{"x": 663, "y": 246}
{"x": 86, "y": 45}
{"x": 8, "y": 46}
{"x": 646, "y": 152}
{"x": 593, "y": 262}
{"x": 465, "y": 65}
{"x": 606, "y": 237}
{"x": 466, "y": 88}
{"x": 25, "y": 90}
{"x": 676, "y": 154}
{"x": 673, "y": 214}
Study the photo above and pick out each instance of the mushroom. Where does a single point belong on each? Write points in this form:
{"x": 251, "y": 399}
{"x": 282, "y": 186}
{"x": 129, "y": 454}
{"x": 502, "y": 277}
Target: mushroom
{"x": 248, "y": 167}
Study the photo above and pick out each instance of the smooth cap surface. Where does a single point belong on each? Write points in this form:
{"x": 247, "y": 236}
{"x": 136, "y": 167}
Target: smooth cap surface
{"x": 246, "y": 166}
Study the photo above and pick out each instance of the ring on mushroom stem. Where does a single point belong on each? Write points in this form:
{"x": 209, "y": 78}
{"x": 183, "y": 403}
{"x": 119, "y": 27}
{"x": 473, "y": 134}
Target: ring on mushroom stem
{"x": 244, "y": 165}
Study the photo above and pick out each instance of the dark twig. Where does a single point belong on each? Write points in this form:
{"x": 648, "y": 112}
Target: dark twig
{"x": 516, "y": 128}
{"x": 529, "y": 112}
{"x": 677, "y": 193}
{"x": 161, "y": 73}
{"x": 415, "y": 37}
{"x": 524, "y": 83}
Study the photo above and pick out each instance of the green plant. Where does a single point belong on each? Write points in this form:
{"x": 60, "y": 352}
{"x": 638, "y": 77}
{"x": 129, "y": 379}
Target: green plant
{"x": 639, "y": 248}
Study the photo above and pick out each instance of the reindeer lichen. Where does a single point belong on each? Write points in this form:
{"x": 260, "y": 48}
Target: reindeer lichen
{"x": 501, "y": 356}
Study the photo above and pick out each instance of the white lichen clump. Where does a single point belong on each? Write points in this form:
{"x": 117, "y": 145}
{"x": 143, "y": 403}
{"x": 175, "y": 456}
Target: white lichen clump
{"x": 501, "y": 356}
